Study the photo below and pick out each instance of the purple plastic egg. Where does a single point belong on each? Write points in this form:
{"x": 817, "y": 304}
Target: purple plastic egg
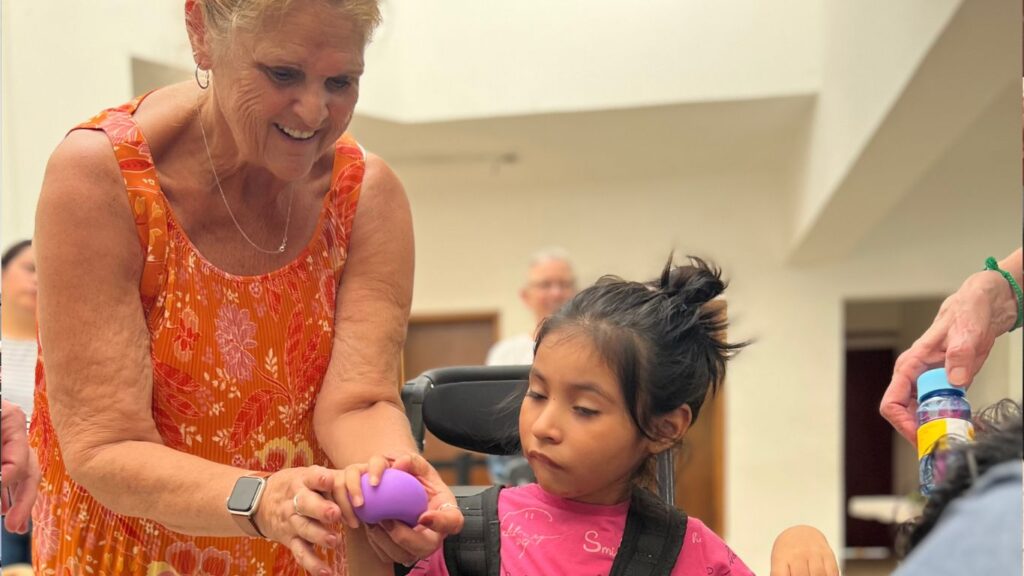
{"x": 399, "y": 496}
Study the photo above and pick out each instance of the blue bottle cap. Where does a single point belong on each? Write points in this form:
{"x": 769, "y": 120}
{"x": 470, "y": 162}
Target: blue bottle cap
{"x": 931, "y": 381}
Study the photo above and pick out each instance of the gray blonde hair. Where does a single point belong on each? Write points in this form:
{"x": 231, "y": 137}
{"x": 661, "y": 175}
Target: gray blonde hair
{"x": 224, "y": 17}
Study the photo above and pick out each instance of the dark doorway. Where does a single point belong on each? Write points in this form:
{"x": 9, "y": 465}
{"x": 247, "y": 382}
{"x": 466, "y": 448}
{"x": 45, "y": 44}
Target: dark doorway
{"x": 868, "y": 441}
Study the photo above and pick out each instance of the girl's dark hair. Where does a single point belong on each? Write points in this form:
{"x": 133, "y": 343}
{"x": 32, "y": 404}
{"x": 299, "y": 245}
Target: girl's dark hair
{"x": 998, "y": 439}
{"x": 663, "y": 339}
{"x": 12, "y": 252}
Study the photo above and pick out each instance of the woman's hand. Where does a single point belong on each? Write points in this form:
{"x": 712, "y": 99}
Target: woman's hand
{"x": 15, "y": 450}
{"x": 297, "y": 511}
{"x": 23, "y": 496}
{"x": 960, "y": 338}
{"x": 20, "y": 470}
{"x": 803, "y": 551}
{"x": 394, "y": 541}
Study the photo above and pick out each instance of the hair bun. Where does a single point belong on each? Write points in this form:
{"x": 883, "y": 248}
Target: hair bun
{"x": 692, "y": 285}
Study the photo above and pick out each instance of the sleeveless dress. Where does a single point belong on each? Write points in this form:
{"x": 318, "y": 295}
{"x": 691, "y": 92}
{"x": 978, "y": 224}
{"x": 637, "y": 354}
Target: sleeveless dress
{"x": 238, "y": 362}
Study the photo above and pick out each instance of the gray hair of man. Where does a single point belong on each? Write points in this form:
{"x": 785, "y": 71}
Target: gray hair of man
{"x": 548, "y": 254}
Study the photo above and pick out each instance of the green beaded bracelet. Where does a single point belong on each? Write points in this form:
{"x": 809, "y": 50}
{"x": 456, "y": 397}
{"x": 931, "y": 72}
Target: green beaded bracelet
{"x": 991, "y": 264}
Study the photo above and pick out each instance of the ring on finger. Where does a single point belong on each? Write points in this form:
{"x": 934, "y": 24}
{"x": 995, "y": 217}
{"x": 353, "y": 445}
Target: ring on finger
{"x": 295, "y": 504}
{"x": 447, "y": 505}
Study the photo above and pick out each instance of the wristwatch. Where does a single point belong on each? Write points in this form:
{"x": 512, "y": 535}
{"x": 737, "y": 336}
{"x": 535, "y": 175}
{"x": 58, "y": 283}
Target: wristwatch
{"x": 245, "y": 499}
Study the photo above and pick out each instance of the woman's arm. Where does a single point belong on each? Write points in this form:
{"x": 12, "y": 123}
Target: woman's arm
{"x": 359, "y": 415}
{"x": 99, "y": 375}
{"x": 359, "y": 411}
{"x": 96, "y": 347}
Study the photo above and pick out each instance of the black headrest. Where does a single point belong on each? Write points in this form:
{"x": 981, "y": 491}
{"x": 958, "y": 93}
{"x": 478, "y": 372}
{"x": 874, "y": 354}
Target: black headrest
{"x": 476, "y": 407}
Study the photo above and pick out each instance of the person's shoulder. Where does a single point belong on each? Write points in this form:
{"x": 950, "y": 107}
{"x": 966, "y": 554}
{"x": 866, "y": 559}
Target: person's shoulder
{"x": 698, "y": 532}
{"x": 14, "y": 347}
{"x": 705, "y": 549}
{"x": 992, "y": 500}
{"x": 519, "y": 493}
{"x": 381, "y": 178}
{"x": 978, "y": 532}
{"x": 506, "y": 344}
{"x": 83, "y": 210}
{"x": 84, "y": 153}
{"x": 82, "y": 172}
{"x": 1002, "y": 475}
{"x": 511, "y": 351}
{"x": 513, "y": 499}
{"x": 166, "y": 117}
{"x": 382, "y": 199}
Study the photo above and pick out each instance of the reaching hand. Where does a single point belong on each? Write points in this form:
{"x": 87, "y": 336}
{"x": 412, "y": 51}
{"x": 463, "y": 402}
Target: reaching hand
{"x": 297, "y": 511}
{"x": 394, "y": 541}
{"x": 803, "y": 551}
{"x": 960, "y": 338}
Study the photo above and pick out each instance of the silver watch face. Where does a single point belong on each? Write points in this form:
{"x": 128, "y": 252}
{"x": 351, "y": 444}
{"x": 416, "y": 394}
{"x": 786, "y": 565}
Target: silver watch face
{"x": 244, "y": 495}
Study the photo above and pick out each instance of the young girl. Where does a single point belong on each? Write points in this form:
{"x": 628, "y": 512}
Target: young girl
{"x": 620, "y": 374}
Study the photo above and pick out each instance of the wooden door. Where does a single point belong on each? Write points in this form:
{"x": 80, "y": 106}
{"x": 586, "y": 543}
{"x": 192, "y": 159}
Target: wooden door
{"x": 700, "y": 466}
{"x": 700, "y": 462}
{"x": 435, "y": 341}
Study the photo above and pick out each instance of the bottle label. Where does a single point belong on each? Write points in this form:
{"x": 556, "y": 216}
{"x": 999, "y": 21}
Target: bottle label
{"x": 941, "y": 432}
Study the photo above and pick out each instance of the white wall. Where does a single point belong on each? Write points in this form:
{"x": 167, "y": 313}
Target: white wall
{"x": 469, "y": 59}
{"x": 898, "y": 89}
{"x": 64, "y": 61}
{"x": 869, "y": 54}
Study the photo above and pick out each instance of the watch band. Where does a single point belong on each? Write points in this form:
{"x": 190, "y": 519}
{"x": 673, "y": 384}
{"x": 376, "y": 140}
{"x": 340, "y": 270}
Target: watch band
{"x": 247, "y": 522}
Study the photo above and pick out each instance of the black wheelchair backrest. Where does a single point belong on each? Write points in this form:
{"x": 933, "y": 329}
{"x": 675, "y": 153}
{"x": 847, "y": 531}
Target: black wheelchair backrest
{"x": 472, "y": 407}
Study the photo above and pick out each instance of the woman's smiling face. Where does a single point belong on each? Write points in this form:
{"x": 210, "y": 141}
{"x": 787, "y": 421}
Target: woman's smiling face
{"x": 287, "y": 92}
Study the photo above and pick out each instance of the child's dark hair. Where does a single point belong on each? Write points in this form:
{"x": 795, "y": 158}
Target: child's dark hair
{"x": 663, "y": 339}
{"x": 998, "y": 438}
{"x": 13, "y": 250}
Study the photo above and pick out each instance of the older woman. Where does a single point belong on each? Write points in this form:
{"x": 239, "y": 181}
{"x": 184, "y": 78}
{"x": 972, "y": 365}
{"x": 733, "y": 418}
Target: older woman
{"x": 200, "y": 343}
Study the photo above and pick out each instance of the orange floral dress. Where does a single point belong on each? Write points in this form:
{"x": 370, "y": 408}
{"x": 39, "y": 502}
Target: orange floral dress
{"x": 238, "y": 362}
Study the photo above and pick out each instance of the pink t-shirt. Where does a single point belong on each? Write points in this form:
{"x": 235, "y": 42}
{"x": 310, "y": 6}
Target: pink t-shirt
{"x": 542, "y": 534}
